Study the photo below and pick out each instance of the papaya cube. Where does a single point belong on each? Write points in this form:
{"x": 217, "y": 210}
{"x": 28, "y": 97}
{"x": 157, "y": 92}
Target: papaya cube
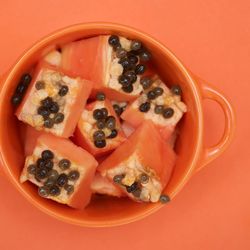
{"x": 166, "y": 119}
{"x": 142, "y": 165}
{"x": 95, "y": 59}
{"x": 62, "y": 171}
{"x": 99, "y": 132}
{"x": 54, "y": 101}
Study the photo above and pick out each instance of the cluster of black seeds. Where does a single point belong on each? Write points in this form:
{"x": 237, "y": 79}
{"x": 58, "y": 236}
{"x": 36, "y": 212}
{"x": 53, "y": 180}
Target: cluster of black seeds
{"x": 136, "y": 187}
{"x": 21, "y": 89}
{"x": 118, "y": 109}
{"x": 49, "y": 109}
{"x": 130, "y": 61}
{"x": 152, "y": 94}
{"x": 103, "y": 120}
{"x": 43, "y": 171}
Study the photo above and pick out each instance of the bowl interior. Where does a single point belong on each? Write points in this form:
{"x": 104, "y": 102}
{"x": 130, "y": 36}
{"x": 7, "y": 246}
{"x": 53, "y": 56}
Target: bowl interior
{"x": 102, "y": 211}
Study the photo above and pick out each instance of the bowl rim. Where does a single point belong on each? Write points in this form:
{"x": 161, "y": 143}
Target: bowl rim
{"x": 124, "y": 28}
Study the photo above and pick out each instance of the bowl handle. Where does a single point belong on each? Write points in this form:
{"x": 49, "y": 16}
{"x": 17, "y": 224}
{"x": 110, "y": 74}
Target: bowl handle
{"x": 211, "y": 153}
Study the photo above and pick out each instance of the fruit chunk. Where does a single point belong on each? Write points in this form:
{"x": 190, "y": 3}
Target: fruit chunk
{"x": 29, "y": 137}
{"x": 99, "y": 129}
{"x": 114, "y": 68}
{"x": 101, "y": 185}
{"x": 62, "y": 171}
{"x": 54, "y": 101}
{"x": 142, "y": 165}
{"x": 159, "y": 104}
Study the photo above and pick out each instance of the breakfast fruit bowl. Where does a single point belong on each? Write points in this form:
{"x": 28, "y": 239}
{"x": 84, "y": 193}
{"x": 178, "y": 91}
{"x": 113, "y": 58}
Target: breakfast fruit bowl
{"x": 101, "y": 117}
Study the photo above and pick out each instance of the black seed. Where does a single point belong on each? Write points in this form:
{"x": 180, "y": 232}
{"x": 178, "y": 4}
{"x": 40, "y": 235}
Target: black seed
{"x": 146, "y": 82}
{"x": 100, "y": 96}
{"x": 98, "y": 135}
{"x": 40, "y": 162}
{"x": 40, "y": 85}
{"x": 100, "y": 144}
{"x": 110, "y": 122}
{"x": 159, "y": 109}
{"x": 118, "y": 178}
{"x": 100, "y": 124}
{"x": 132, "y": 188}
{"x": 140, "y": 69}
{"x": 176, "y": 89}
{"x": 164, "y": 198}
{"x": 62, "y": 180}
{"x": 64, "y": 164}
{"x": 128, "y": 89}
{"x": 104, "y": 112}
{"x": 123, "y": 108}
{"x": 120, "y": 52}
{"x": 136, "y": 45}
{"x": 47, "y": 154}
{"x": 144, "y": 107}
{"x": 26, "y": 79}
{"x": 44, "y": 112}
{"x": 16, "y": 99}
{"x": 31, "y": 169}
{"x": 158, "y": 91}
{"x": 133, "y": 59}
{"x": 117, "y": 46}
{"x": 63, "y": 90}
{"x": 54, "y": 108}
{"x": 144, "y": 178}
{"x": 53, "y": 174}
{"x": 137, "y": 192}
{"x": 125, "y": 63}
{"x": 48, "y": 123}
{"x": 49, "y": 164}
{"x": 54, "y": 190}
{"x": 124, "y": 80}
{"x": 58, "y": 118}
{"x": 113, "y": 134}
{"x": 47, "y": 102}
{"x": 113, "y": 40}
{"x": 74, "y": 175}
{"x": 117, "y": 109}
{"x": 41, "y": 173}
{"x": 21, "y": 88}
{"x": 145, "y": 56}
{"x": 136, "y": 52}
{"x": 43, "y": 191}
{"x": 131, "y": 75}
{"x": 69, "y": 189}
{"x": 168, "y": 112}
{"x": 151, "y": 95}
{"x": 98, "y": 114}
{"x": 49, "y": 182}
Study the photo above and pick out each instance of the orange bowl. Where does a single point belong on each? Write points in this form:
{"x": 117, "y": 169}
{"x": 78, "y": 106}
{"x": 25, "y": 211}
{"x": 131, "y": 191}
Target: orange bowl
{"x": 192, "y": 154}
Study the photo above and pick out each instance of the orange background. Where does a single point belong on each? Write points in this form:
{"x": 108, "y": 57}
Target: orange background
{"x": 213, "y": 39}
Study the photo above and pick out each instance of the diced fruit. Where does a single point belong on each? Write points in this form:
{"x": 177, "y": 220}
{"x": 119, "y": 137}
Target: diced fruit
{"x": 127, "y": 129}
{"x": 159, "y": 104}
{"x": 99, "y": 129}
{"x": 54, "y": 57}
{"x": 142, "y": 165}
{"x": 54, "y": 101}
{"x": 29, "y": 137}
{"x": 102, "y": 185}
{"x": 68, "y": 184}
{"x": 113, "y": 67}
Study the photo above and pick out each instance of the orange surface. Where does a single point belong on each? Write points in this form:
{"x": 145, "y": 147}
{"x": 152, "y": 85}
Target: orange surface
{"x": 213, "y": 39}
